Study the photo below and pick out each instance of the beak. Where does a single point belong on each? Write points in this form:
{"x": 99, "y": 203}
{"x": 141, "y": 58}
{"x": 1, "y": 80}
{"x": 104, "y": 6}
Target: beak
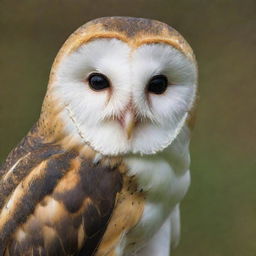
{"x": 129, "y": 122}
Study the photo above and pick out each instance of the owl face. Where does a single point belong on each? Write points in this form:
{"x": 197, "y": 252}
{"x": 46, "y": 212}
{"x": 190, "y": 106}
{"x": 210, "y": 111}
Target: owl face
{"x": 121, "y": 99}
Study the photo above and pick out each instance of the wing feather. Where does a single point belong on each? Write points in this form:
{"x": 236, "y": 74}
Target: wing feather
{"x": 54, "y": 202}
{"x": 24, "y": 158}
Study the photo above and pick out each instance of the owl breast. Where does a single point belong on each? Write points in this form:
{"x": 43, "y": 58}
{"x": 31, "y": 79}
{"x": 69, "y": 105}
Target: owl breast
{"x": 164, "y": 183}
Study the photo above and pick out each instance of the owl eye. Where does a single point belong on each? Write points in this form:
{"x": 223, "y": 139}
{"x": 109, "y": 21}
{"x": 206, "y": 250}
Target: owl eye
{"x": 157, "y": 84}
{"x": 98, "y": 81}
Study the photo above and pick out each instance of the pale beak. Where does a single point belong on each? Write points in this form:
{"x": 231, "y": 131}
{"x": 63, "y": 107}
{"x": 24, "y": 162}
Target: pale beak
{"x": 129, "y": 122}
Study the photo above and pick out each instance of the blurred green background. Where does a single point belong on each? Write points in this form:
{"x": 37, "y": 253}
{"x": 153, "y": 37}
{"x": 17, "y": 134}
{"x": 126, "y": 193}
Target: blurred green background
{"x": 219, "y": 212}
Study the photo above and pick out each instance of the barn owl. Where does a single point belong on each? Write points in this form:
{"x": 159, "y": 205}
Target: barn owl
{"x": 104, "y": 169}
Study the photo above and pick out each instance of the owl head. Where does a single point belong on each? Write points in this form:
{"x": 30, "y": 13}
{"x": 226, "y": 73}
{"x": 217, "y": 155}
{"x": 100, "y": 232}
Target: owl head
{"x": 123, "y": 85}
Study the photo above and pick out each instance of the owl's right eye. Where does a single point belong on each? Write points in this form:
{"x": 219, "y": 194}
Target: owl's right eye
{"x": 98, "y": 81}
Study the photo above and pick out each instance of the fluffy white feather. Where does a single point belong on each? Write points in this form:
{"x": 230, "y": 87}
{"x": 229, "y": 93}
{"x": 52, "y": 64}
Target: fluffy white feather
{"x": 165, "y": 177}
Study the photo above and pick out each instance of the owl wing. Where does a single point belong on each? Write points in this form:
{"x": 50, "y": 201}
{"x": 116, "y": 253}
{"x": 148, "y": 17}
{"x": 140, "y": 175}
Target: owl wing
{"x": 54, "y": 202}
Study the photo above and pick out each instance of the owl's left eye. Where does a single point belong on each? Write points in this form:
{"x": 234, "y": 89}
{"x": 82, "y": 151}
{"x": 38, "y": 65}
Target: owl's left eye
{"x": 98, "y": 81}
{"x": 157, "y": 84}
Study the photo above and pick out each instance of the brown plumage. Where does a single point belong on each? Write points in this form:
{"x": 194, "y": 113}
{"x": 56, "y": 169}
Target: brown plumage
{"x": 58, "y": 202}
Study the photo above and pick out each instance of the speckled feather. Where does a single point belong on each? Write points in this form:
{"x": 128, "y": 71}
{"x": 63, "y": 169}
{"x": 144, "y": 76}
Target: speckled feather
{"x": 62, "y": 202}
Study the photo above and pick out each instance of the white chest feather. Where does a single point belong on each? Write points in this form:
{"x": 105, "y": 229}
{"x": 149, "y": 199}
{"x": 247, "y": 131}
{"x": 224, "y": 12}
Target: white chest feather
{"x": 164, "y": 178}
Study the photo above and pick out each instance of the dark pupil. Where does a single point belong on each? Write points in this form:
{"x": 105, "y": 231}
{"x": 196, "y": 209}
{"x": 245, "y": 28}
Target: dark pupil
{"x": 158, "y": 84}
{"x": 98, "y": 82}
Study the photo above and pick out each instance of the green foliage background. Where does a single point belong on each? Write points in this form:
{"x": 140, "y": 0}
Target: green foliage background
{"x": 219, "y": 212}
